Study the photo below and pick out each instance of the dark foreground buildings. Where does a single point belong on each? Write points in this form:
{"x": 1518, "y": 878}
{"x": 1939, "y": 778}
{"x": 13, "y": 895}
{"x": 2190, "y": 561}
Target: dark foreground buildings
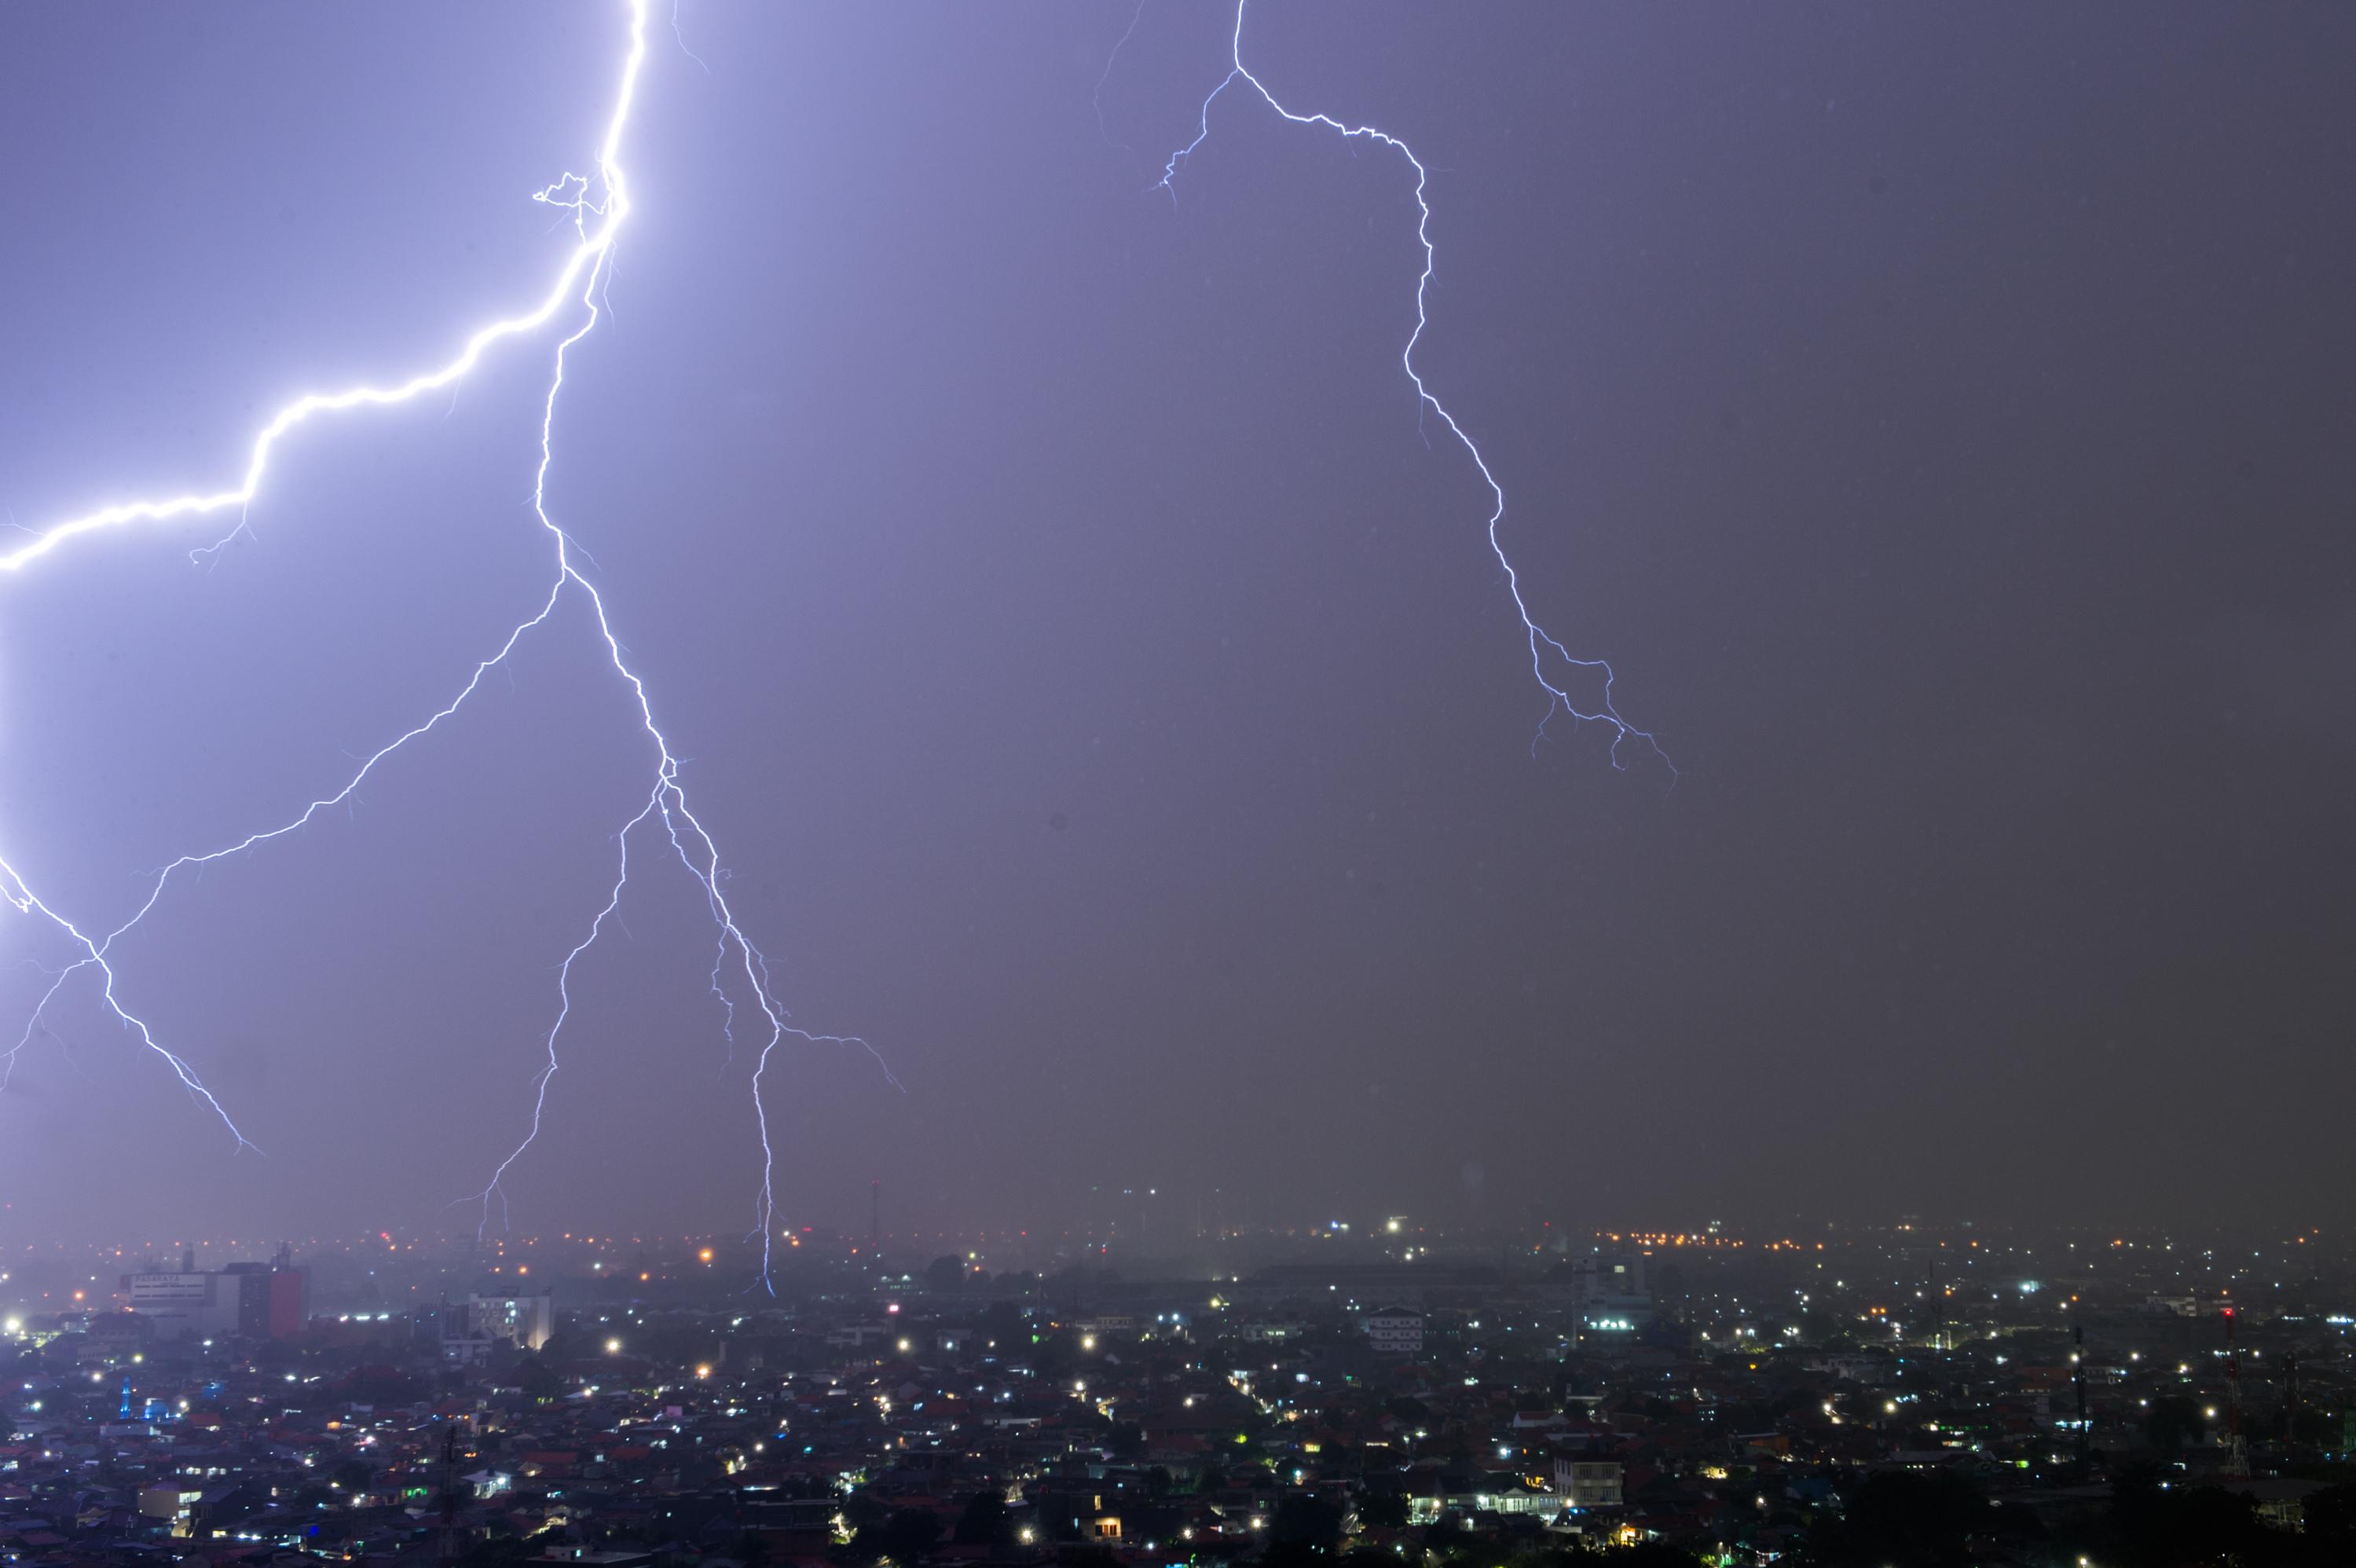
{"x": 1885, "y": 1397}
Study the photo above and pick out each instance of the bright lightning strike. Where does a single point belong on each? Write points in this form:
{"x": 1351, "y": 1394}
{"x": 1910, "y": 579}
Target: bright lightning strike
{"x": 599, "y": 204}
{"x": 1541, "y": 642}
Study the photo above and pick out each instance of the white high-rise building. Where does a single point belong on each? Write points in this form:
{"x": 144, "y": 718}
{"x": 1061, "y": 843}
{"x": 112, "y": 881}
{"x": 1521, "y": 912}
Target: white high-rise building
{"x": 528, "y": 1320}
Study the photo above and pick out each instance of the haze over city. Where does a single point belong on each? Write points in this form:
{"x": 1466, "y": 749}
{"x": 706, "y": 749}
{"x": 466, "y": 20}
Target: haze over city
{"x": 1085, "y": 651}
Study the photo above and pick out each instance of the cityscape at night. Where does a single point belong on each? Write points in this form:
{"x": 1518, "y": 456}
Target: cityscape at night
{"x": 1177, "y": 784}
{"x": 1370, "y": 1387}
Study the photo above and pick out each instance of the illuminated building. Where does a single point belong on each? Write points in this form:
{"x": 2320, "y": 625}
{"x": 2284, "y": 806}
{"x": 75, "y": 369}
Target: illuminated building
{"x": 1394, "y": 1331}
{"x": 528, "y": 1320}
{"x": 256, "y": 1301}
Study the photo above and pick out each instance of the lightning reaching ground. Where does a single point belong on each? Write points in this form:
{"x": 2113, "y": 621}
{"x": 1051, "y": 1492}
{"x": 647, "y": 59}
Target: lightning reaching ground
{"x": 1541, "y": 642}
{"x": 599, "y": 205}
{"x": 596, "y": 205}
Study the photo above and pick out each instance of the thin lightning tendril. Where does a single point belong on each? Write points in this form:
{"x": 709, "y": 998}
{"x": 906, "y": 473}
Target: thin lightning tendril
{"x": 1096, "y": 98}
{"x": 1541, "y": 641}
{"x": 595, "y": 205}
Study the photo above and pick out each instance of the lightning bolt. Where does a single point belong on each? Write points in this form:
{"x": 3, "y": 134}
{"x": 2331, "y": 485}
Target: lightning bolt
{"x": 598, "y": 204}
{"x": 1541, "y": 642}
